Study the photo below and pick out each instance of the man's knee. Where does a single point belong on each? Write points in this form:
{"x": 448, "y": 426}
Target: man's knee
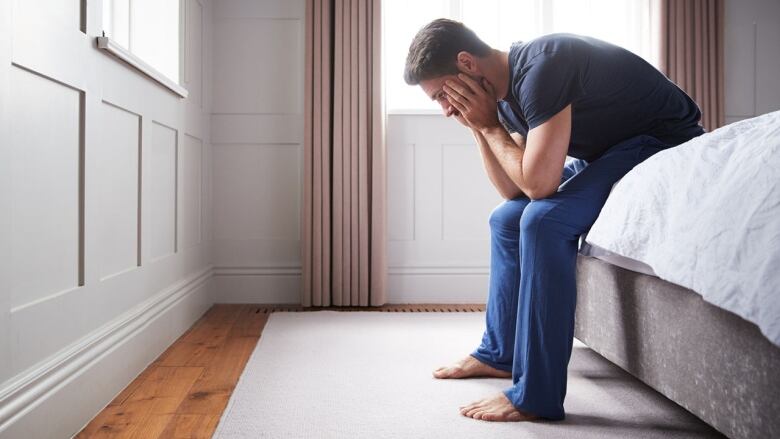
{"x": 538, "y": 218}
{"x": 507, "y": 214}
{"x": 558, "y": 217}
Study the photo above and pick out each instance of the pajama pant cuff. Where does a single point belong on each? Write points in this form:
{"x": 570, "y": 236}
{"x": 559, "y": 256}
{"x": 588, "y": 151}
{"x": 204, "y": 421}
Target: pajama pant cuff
{"x": 489, "y": 362}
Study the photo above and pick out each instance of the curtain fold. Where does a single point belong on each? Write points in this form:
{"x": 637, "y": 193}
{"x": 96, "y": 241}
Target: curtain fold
{"x": 691, "y": 53}
{"x": 343, "y": 217}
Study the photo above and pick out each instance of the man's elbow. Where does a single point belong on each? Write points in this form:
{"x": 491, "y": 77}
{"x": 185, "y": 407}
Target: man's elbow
{"x": 511, "y": 195}
{"x": 540, "y": 192}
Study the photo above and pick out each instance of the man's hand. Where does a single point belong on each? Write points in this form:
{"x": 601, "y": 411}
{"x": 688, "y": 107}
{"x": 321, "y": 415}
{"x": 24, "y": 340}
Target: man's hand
{"x": 475, "y": 103}
{"x": 459, "y": 117}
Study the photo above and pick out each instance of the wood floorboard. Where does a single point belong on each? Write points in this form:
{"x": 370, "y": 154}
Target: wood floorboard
{"x": 198, "y": 347}
{"x": 183, "y": 393}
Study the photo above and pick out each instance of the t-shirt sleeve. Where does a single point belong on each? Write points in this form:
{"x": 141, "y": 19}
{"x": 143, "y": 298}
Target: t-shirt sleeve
{"x": 551, "y": 83}
{"x": 503, "y": 121}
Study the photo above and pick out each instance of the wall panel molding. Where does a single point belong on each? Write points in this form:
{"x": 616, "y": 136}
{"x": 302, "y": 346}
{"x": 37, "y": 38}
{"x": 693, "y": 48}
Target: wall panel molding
{"x": 236, "y": 270}
{"x": 257, "y": 192}
{"x": 191, "y": 191}
{"x": 164, "y": 181}
{"x": 292, "y": 9}
{"x": 244, "y": 81}
{"x": 751, "y": 38}
{"x": 402, "y": 187}
{"x": 119, "y": 187}
{"x": 43, "y": 162}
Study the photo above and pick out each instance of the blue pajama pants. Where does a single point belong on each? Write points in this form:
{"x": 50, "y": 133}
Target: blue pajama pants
{"x": 532, "y": 293}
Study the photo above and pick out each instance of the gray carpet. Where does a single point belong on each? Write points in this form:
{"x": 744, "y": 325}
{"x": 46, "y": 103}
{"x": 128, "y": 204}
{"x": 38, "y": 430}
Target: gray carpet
{"x": 334, "y": 374}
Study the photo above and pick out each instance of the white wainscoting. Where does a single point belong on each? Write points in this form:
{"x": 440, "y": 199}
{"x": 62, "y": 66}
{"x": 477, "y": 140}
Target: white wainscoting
{"x": 119, "y": 229}
{"x": 257, "y": 131}
{"x": 46, "y": 209}
{"x": 164, "y": 208}
{"x": 105, "y": 239}
{"x": 751, "y": 41}
{"x": 439, "y": 203}
{"x": 191, "y": 159}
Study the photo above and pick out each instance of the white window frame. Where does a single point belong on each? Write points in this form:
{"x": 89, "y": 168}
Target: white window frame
{"x": 117, "y": 50}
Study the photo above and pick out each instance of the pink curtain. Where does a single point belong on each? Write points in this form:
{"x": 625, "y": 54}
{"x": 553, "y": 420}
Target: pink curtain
{"x": 343, "y": 219}
{"x": 692, "y": 53}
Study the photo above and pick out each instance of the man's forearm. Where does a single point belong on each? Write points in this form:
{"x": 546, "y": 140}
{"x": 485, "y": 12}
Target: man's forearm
{"x": 507, "y": 153}
{"x": 496, "y": 173}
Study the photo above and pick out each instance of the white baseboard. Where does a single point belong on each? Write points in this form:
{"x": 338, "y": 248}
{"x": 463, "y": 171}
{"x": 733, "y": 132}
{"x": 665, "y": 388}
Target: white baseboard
{"x": 421, "y": 285}
{"x": 257, "y": 285}
{"x": 272, "y": 285}
{"x": 57, "y": 398}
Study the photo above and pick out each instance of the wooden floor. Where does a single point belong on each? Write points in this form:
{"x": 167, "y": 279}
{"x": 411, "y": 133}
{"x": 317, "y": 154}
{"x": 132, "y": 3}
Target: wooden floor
{"x": 183, "y": 392}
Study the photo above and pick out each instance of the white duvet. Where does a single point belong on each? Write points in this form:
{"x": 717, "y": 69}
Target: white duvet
{"x": 706, "y": 215}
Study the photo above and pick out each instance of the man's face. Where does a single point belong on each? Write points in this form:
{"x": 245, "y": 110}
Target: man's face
{"x": 433, "y": 88}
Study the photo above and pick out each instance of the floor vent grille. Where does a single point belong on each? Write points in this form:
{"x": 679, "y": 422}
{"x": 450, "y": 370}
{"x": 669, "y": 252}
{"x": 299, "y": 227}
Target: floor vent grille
{"x": 266, "y": 309}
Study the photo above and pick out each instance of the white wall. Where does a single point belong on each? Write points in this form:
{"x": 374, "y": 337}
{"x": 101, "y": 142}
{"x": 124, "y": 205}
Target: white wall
{"x": 257, "y": 130}
{"x": 752, "y": 58}
{"x": 96, "y": 279}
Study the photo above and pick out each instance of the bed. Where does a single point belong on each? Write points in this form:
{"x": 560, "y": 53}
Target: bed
{"x": 679, "y": 278}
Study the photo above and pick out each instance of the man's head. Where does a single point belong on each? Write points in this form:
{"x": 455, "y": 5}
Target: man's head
{"x": 441, "y": 50}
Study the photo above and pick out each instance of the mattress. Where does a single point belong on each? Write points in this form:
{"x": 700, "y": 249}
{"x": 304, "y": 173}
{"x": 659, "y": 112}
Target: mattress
{"x": 613, "y": 258}
{"x": 704, "y": 215}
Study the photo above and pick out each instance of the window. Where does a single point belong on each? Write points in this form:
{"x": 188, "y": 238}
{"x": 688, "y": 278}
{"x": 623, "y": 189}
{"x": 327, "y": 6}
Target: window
{"x": 501, "y": 22}
{"x": 148, "y": 29}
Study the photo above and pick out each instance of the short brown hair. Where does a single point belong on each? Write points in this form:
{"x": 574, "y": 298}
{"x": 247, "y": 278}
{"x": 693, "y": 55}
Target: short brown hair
{"x": 434, "y": 50}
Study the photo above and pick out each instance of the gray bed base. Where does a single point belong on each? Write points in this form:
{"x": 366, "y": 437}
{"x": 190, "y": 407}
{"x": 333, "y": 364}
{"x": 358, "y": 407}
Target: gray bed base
{"x": 710, "y": 361}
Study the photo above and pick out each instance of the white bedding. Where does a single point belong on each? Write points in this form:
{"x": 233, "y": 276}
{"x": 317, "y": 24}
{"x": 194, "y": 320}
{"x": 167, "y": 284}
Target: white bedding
{"x": 706, "y": 215}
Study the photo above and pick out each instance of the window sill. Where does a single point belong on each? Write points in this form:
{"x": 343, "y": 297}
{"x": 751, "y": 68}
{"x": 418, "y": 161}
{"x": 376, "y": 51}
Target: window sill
{"x": 121, "y": 53}
{"x": 415, "y": 111}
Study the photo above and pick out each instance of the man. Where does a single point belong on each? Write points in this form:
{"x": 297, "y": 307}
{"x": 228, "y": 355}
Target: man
{"x": 528, "y": 109}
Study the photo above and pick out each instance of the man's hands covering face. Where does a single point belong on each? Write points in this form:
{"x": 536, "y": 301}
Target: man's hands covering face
{"x": 475, "y": 102}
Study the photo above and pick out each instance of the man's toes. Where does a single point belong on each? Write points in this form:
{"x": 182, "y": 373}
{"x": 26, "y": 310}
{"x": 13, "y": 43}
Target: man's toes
{"x": 467, "y": 408}
{"x": 464, "y": 409}
{"x": 442, "y": 372}
{"x": 470, "y": 412}
{"x": 454, "y": 372}
{"x": 488, "y": 416}
{"x": 480, "y": 414}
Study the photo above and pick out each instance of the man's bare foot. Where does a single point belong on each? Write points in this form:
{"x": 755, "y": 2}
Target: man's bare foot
{"x": 497, "y": 408}
{"x": 470, "y": 367}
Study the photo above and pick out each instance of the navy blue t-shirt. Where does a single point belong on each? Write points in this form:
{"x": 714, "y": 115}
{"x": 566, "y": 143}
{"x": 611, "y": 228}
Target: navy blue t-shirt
{"x": 614, "y": 93}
